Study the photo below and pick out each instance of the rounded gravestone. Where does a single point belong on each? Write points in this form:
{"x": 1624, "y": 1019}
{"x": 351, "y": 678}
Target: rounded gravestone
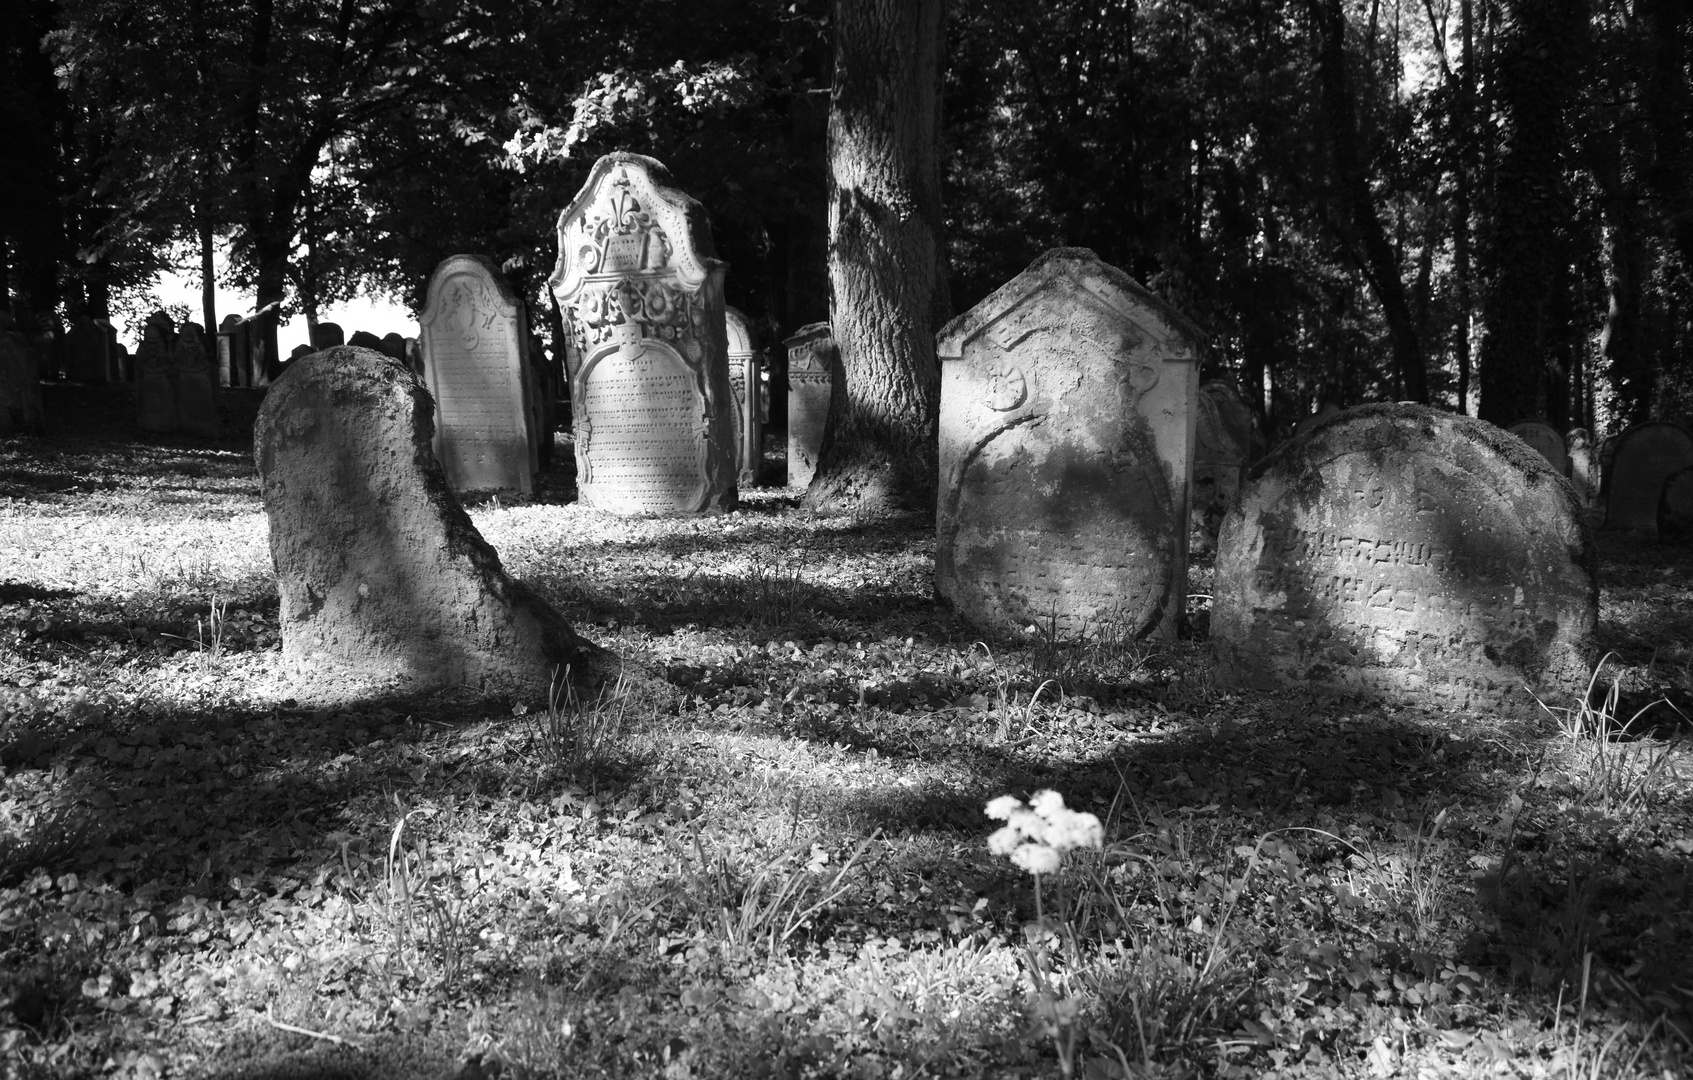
{"x": 1645, "y": 456}
{"x": 1675, "y": 509}
{"x": 1408, "y": 555}
{"x": 1544, "y": 438}
{"x": 385, "y": 583}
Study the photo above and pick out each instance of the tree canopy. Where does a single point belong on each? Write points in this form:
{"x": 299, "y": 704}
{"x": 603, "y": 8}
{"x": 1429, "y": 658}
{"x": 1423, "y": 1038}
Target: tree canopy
{"x": 1484, "y": 204}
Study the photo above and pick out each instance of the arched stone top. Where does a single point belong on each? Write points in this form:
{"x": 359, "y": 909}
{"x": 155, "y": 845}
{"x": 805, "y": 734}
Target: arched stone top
{"x": 630, "y": 219}
{"x": 479, "y": 277}
{"x": 740, "y": 333}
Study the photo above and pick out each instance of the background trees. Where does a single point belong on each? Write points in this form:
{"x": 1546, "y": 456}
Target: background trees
{"x": 1481, "y": 202}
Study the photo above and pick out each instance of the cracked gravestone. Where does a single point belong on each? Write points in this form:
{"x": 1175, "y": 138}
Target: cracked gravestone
{"x": 1411, "y": 556}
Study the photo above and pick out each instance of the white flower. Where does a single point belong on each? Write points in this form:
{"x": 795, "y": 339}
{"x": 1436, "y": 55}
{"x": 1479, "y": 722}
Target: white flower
{"x": 1036, "y": 859}
{"x": 1001, "y": 808}
{"x": 1046, "y": 803}
{"x": 1004, "y": 841}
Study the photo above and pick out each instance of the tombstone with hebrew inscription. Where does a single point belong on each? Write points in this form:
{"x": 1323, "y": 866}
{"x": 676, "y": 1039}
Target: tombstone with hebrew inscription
{"x": 475, "y": 340}
{"x": 744, "y": 375}
{"x": 811, "y": 371}
{"x": 1066, "y": 434}
{"x": 1405, "y": 555}
{"x": 1645, "y": 456}
{"x": 642, "y": 292}
{"x": 1546, "y": 441}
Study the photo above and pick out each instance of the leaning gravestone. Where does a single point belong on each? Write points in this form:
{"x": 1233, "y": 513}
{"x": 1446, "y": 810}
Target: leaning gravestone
{"x": 1645, "y": 456}
{"x": 1584, "y": 468}
{"x": 642, "y": 293}
{"x": 1546, "y": 441}
{"x": 1223, "y": 448}
{"x": 1675, "y": 509}
{"x": 1066, "y": 434}
{"x": 1406, "y": 555}
{"x": 155, "y": 390}
{"x": 474, "y": 344}
{"x": 744, "y": 383}
{"x": 812, "y": 360}
{"x": 385, "y": 583}
{"x": 86, "y": 351}
{"x": 196, "y": 395}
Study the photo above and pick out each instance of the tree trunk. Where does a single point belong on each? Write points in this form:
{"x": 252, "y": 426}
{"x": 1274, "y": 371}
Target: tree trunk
{"x": 1355, "y": 220}
{"x": 887, "y": 290}
{"x": 208, "y": 274}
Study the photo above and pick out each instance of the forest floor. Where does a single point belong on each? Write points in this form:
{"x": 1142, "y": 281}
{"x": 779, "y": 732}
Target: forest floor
{"x": 783, "y": 871}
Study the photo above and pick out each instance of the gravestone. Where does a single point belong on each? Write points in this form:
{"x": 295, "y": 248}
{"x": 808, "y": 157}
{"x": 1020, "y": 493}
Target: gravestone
{"x": 641, "y": 291}
{"x": 20, "y": 387}
{"x": 229, "y": 331}
{"x": 1406, "y": 555}
{"x": 299, "y": 351}
{"x": 1584, "y": 468}
{"x": 812, "y": 358}
{"x": 394, "y": 347}
{"x": 196, "y": 395}
{"x": 1645, "y": 456}
{"x": 474, "y": 342}
{"x": 364, "y": 339}
{"x": 85, "y": 351}
{"x": 155, "y": 390}
{"x": 1675, "y": 509}
{"x": 1225, "y": 444}
{"x": 1324, "y": 411}
{"x": 1066, "y": 442}
{"x": 744, "y": 365}
{"x": 1546, "y": 441}
{"x": 385, "y": 583}
{"x": 327, "y": 335}
{"x": 123, "y": 365}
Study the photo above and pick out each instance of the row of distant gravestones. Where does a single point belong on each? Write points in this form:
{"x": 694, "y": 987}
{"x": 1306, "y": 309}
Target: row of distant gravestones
{"x": 1394, "y": 552}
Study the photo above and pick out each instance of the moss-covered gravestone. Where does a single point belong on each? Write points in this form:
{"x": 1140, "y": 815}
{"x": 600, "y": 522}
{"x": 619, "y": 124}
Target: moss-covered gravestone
{"x": 1401, "y": 554}
{"x": 1066, "y": 450}
{"x": 385, "y": 583}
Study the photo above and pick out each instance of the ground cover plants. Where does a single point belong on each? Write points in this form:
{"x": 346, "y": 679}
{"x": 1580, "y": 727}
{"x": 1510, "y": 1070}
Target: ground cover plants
{"x": 785, "y": 870}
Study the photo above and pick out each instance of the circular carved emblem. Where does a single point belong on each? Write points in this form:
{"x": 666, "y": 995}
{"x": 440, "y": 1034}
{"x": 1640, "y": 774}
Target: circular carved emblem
{"x": 1007, "y": 388}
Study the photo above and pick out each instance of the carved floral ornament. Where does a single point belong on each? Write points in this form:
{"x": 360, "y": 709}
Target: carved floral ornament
{"x": 465, "y": 301}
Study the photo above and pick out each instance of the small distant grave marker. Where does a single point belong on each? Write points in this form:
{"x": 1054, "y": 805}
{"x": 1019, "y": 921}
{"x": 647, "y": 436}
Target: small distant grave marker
{"x": 812, "y": 359}
{"x": 86, "y": 349}
{"x": 192, "y": 376}
{"x": 155, "y": 389}
{"x": 1546, "y": 441}
{"x": 642, "y": 291}
{"x": 1066, "y": 434}
{"x": 1407, "y": 555}
{"x": 1645, "y": 456}
{"x": 474, "y": 342}
{"x": 20, "y": 387}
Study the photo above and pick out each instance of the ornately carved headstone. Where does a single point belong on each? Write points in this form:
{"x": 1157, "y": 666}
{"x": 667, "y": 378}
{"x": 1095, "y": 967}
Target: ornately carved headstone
{"x": 196, "y": 396}
{"x": 474, "y": 344}
{"x": 1645, "y": 456}
{"x": 1546, "y": 440}
{"x": 1584, "y": 468}
{"x": 1408, "y": 555}
{"x": 385, "y": 583}
{"x": 811, "y": 371}
{"x": 642, "y": 291}
{"x": 1066, "y": 442}
{"x": 744, "y": 365}
{"x": 1224, "y": 446}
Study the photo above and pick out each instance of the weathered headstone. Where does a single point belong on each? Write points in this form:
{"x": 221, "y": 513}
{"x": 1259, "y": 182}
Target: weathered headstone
{"x": 1224, "y": 445}
{"x": 155, "y": 390}
{"x": 744, "y": 364}
{"x": 327, "y": 335}
{"x": 642, "y": 293}
{"x": 474, "y": 342}
{"x": 1546, "y": 441}
{"x": 1675, "y": 508}
{"x": 385, "y": 583}
{"x": 394, "y": 346}
{"x": 20, "y": 387}
{"x": 1646, "y": 455}
{"x": 1403, "y": 554}
{"x": 1584, "y": 468}
{"x": 364, "y": 339}
{"x": 196, "y": 394}
{"x": 228, "y": 367}
{"x": 812, "y": 358}
{"x": 1066, "y": 442}
{"x": 123, "y": 365}
{"x": 85, "y": 351}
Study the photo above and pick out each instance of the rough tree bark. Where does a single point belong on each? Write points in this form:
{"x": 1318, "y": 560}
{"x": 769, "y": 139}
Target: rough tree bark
{"x": 887, "y": 291}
